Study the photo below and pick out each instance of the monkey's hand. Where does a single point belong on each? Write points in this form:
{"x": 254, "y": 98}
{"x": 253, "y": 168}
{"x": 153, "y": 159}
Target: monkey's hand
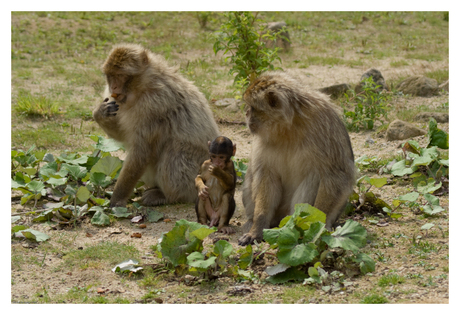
{"x": 203, "y": 193}
{"x": 109, "y": 109}
{"x": 226, "y": 230}
{"x": 215, "y": 170}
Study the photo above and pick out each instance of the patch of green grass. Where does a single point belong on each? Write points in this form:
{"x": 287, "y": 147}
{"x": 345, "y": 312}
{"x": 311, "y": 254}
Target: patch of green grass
{"x": 440, "y": 75}
{"x": 294, "y": 293}
{"x": 100, "y": 255}
{"x": 399, "y": 63}
{"x": 29, "y": 105}
{"x": 149, "y": 296}
{"x": 425, "y": 56}
{"x": 374, "y": 299}
{"x": 391, "y": 279}
{"x": 410, "y": 113}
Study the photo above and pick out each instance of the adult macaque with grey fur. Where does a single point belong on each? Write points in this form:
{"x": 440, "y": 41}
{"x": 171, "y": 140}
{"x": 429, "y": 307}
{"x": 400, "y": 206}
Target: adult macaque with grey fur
{"x": 301, "y": 153}
{"x": 163, "y": 121}
{"x": 216, "y": 186}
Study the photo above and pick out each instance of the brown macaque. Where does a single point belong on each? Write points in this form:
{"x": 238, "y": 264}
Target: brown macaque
{"x": 163, "y": 121}
{"x": 301, "y": 153}
{"x": 215, "y": 184}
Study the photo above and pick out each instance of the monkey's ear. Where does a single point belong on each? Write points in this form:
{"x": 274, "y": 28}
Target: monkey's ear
{"x": 272, "y": 99}
{"x": 209, "y": 145}
{"x": 144, "y": 57}
{"x": 234, "y": 149}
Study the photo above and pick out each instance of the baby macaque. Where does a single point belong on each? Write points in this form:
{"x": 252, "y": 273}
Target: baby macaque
{"x": 216, "y": 186}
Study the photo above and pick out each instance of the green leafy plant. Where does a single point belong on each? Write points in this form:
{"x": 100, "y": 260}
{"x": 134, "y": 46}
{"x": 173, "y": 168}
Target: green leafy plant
{"x": 302, "y": 240}
{"x": 182, "y": 248}
{"x": 249, "y": 55}
{"x": 240, "y": 167}
{"x": 75, "y": 181}
{"x": 370, "y": 105}
{"x": 366, "y": 200}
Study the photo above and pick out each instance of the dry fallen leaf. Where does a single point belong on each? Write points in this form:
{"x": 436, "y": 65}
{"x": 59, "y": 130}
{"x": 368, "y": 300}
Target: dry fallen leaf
{"x": 137, "y": 219}
{"x": 89, "y": 235}
{"x": 142, "y": 226}
{"x": 101, "y": 290}
{"x": 167, "y": 220}
{"x": 138, "y": 235}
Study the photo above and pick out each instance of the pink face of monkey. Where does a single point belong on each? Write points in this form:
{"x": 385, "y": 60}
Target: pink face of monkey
{"x": 219, "y": 160}
{"x": 117, "y": 85}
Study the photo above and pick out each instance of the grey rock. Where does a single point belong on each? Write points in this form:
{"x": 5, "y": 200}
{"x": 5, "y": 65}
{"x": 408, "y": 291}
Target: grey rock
{"x": 284, "y": 41}
{"x": 376, "y": 76}
{"x": 335, "y": 91}
{"x": 400, "y": 130}
{"x": 439, "y": 117}
{"x": 418, "y": 85}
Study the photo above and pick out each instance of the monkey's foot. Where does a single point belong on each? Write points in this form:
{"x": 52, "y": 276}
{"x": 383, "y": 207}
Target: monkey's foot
{"x": 226, "y": 230}
{"x": 247, "y": 239}
{"x": 117, "y": 203}
{"x": 153, "y": 197}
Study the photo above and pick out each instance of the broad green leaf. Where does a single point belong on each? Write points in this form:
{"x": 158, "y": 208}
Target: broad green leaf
{"x": 292, "y": 274}
{"x": 314, "y": 232}
{"x": 273, "y": 270}
{"x": 57, "y": 181}
{"x": 409, "y": 197}
{"x": 48, "y": 157}
{"x": 108, "y": 165}
{"x": 83, "y": 194}
{"x": 179, "y": 242}
{"x": 351, "y": 236}
{"x": 120, "y": 212}
{"x": 314, "y": 274}
{"x": 106, "y": 145}
{"x": 70, "y": 190}
{"x": 429, "y": 187}
{"x": 363, "y": 160}
{"x": 95, "y": 209}
{"x": 304, "y": 215}
{"x": 297, "y": 255}
{"x": 100, "y": 218}
{"x": 378, "y": 182}
{"x": 436, "y": 136}
{"x": 34, "y": 235}
{"x": 76, "y": 161}
{"x": 154, "y": 215}
{"x": 246, "y": 257}
{"x": 197, "y": 260}
{"x": 36, "y": 187}
{"x": 427, "y": 226}
{"x": 366, "y": 264}
{"x": 444, "y": 162}
{"x": 44, "y": 216}
{"x": 222, "y": 248}
{"x": 288, "y": 238}
{"x": 15, "y": 218}
{"x": 16, "y": 184}
{"x": 66, "y": 213}
{"x": 202, "y": 232}
{"x": 129, "y": 265}
{"x": 76, "y": 171}
{"x": 100, "y": 179}
{"x": 18, "y": 228}
{"x": 400, "y": 169}
{"x": 422, "y": 160}
{"x": 30, "y": 171}
{"x": 432, "y": 210}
